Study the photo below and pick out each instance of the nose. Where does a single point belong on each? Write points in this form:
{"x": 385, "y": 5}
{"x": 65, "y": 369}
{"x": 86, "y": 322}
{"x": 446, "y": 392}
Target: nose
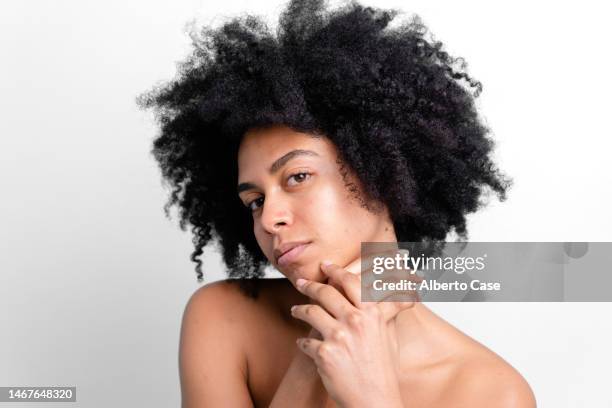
{"x": 275, "y": 214}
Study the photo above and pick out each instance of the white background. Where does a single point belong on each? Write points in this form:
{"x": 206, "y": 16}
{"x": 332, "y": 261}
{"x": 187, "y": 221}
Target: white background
{"x": 94, "y": 279}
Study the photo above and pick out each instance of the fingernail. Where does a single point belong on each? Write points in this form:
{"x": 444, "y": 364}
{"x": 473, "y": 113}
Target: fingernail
{"x": 292, "y": 309}
{"x": 300, "y": 282}
{"x": 326, "y": 263}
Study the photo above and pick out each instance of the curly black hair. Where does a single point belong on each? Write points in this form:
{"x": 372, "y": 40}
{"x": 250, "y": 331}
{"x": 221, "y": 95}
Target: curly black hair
{"x": 400, "y": 110}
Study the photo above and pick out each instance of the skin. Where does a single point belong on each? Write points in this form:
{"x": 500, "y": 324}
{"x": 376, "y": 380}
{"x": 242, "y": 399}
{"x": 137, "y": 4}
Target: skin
{"x": 266, "y": 352}
{"x": 313, "y": 206}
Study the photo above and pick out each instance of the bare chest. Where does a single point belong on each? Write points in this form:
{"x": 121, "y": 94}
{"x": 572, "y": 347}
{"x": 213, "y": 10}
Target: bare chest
{"x": 267, "y": 370}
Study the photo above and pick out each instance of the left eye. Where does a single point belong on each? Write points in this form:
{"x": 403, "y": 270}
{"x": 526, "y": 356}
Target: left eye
{"x": 298, "y": 177}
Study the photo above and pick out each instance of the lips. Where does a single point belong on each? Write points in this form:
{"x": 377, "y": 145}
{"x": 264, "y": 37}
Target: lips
{"x": 288, "y": 252}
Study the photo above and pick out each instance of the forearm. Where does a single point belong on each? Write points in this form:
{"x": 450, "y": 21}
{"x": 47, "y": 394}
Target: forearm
{"x": 301, "y": 386}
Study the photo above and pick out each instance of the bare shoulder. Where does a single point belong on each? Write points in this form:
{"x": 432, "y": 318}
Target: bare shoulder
{"x": 225, "y": 303}
{"x": 483, "y": 379}
{"x": 220, "y": 312}
{"x": 224, "y": 293}
{"x": 222, "y": 335}
{"x": 212, "y": 359}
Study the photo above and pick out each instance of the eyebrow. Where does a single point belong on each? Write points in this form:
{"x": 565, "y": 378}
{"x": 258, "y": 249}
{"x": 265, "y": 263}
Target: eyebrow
{"x": 277, "y": 165}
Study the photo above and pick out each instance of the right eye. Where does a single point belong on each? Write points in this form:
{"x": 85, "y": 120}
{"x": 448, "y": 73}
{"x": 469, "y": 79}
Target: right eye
{"x": 254, "y": 205}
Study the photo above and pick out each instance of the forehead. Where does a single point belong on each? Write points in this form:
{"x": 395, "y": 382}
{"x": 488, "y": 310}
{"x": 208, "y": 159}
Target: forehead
{"x": 260, "y": 147}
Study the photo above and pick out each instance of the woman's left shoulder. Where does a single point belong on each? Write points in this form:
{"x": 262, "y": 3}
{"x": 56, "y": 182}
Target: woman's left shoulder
{"x": 484, "y": 379}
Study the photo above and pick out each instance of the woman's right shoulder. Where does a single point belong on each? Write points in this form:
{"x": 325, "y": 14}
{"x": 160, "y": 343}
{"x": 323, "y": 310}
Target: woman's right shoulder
{"x": 219, "y": 300}
{"x": 225, "y": 302}
{"x": 212, "y": 353}
{"x": 223, "y": 328}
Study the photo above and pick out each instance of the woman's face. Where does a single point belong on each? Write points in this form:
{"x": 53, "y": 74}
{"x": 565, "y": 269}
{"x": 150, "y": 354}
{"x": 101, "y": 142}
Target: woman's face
{"x": 292, "y": 184}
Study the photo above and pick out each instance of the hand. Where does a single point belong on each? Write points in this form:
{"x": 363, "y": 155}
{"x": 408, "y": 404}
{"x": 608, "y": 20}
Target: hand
{"x": 354, "y": 357}
{"x": 364, "y": 266}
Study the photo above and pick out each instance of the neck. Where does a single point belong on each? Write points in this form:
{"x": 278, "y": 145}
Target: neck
{"x": 383, "y": 240}
{"x": 424, "y": 338}
{"x": 422, "y": 335}
{"x": 386, "y": 233}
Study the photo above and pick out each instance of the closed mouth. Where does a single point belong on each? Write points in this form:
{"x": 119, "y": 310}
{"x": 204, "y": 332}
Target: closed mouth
{"x": 292, "y": 254}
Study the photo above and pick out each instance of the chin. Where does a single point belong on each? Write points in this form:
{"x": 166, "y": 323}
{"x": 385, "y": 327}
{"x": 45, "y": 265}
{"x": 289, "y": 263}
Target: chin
{"x": 309, "y": 271}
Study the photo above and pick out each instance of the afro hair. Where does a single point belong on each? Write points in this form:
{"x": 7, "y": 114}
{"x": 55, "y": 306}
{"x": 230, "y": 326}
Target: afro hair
{"x": 400, "y": 110}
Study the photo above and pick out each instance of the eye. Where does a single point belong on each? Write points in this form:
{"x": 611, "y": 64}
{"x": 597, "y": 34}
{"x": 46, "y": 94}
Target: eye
{"x": 299, "y": 177}
{"x": 252, "y": 205}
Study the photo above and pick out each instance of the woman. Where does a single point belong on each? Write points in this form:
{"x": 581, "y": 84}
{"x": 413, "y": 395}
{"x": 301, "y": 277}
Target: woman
{"x": 292, "y": 150}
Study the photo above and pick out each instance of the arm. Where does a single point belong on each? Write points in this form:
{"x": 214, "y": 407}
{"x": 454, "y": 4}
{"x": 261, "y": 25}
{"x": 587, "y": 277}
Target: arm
{"x": 212, "y": 364}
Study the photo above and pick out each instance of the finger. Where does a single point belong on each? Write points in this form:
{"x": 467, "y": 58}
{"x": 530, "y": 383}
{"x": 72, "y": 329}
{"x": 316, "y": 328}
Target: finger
{"x": 350, "y": 283}
{"x": 380, "y": 296}
{"x": 390, "y": 310}
{"x": 405, "y": 282}
{"x": 398, "y": 280}
{"x": 325, "y": 295}
{"x": 315, "y": 334}
{"x": 368, "y": 276}
{"x": 316, "y": 317}
{"x": 309, "y": 346}
{"x": 378, "y": 259}
{"x": 399, "y": 296}
{"x": 366, "y": 261}
{"x": 336, "y": 285}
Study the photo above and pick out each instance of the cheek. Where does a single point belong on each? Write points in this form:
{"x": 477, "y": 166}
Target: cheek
{"x": 263, "y": 240}
{"x": 342, "y": 216}
{"x": 332, "y": 213}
